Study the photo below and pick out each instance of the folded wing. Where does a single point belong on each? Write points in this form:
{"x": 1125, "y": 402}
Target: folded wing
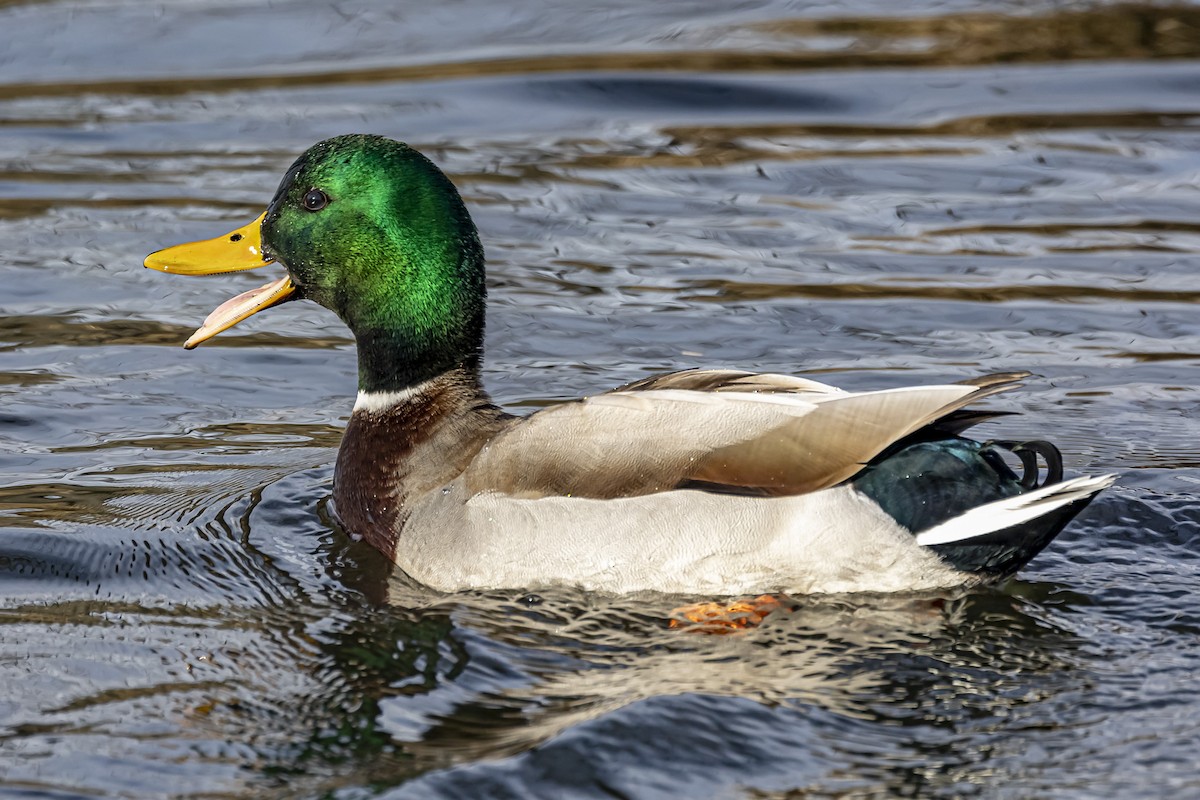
{"x": 769, "y": 434}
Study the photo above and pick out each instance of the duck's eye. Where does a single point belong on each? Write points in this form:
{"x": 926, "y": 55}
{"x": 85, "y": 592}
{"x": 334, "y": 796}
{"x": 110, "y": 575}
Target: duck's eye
{"x": 315, "y": 200}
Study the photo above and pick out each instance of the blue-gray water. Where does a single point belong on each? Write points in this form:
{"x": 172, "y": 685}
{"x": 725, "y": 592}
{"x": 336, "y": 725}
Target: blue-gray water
{"x": 871, "y": 193}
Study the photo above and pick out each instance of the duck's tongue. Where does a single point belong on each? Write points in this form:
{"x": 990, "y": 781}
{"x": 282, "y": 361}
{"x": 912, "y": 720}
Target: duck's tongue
{"x": 236, "y": 309}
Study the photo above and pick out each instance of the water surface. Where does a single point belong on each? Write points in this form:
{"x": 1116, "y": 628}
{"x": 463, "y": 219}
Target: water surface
{"x": 870, "y": 195}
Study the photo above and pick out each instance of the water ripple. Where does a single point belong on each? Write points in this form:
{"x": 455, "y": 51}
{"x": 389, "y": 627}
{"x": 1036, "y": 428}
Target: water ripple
{"x": 873, "y": 196}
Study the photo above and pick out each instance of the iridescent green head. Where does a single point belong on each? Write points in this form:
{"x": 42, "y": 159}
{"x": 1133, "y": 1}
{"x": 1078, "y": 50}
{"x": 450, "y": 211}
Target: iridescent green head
{"x": 372, "y": 230}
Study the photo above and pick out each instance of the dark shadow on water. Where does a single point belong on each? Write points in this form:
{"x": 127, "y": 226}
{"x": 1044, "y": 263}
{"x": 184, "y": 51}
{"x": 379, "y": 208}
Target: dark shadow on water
{"x": 710, "y": 95}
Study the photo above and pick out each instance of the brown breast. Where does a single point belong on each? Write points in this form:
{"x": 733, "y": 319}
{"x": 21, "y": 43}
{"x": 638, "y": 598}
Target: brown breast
{"x": 392, "y": 456}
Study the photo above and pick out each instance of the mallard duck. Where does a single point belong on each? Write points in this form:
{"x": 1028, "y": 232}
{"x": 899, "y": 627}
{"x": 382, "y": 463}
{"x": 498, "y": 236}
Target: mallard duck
{"x": 709, "y": 481}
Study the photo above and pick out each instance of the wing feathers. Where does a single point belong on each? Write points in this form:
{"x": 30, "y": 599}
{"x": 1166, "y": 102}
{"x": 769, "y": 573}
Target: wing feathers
{"x": 793, "y": 437}
{"x": 835, "y": 441}
{"x": 1007, "y": 379}
{"x": 729, "y": 380}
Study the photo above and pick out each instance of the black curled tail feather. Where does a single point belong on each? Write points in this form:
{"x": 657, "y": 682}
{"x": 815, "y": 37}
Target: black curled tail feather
{"x": 1028, "y": 452}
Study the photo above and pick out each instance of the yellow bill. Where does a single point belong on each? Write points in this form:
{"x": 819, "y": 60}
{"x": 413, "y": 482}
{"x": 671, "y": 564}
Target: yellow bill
{"x": 237, "y": 250}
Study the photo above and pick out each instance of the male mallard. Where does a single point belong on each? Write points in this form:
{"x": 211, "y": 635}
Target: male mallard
{"x": 710, "y": 481}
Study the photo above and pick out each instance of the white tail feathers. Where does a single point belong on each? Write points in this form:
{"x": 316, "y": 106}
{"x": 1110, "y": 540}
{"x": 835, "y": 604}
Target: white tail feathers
{"x": 1012, "y": 511}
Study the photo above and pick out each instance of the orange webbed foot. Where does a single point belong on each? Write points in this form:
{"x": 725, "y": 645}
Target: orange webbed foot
{"x": 727, "y": 617}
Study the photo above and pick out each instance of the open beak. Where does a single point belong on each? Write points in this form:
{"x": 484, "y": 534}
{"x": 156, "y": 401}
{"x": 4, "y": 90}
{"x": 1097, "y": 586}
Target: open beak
{"x": 237, "y": 250}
